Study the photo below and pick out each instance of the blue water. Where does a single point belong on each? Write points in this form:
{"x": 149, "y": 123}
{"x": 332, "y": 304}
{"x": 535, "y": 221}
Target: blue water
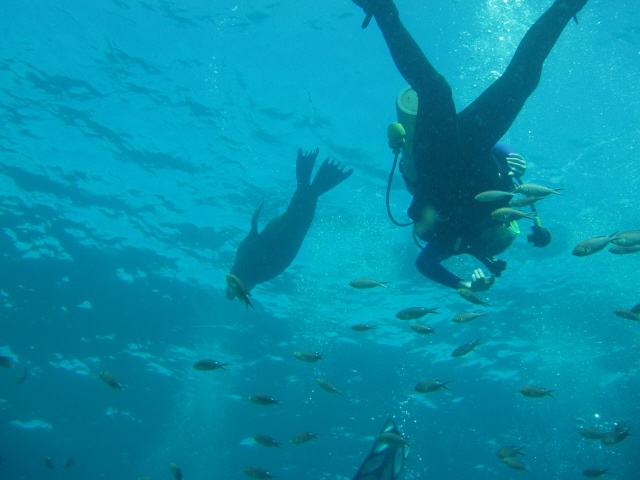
{"x": 137, "y": 139}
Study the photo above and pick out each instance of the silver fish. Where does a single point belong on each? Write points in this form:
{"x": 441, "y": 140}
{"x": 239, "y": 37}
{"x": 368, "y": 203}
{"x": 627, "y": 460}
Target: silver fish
{"x": 514, "y": 463}
{"x": 493, "y": 196}
{"x": 592, "y": 245}
{"x": 413, "y": 313}
{"x": 507, "y": 214}
{"x": 463, "y": 349}
{"x": 309, "y": 357}
{"x": 630, "y": 238}
{"x": 510, "y": 451}
{"x": 327, "y": 386}
{"x": 421, "y": 329}
{"x": 428, "y": 386}
{"x": 363, "y": 283}
{"x": 624, "y": 250}
{"x": 534, "y": 391}
{"x": 266, "y": 441}
{"x": 465, "y": 317}
{"x": 362, "y": 327}
{"x": 303, "y": 437}
{"x": 470, "y": 296}
{"x": 534, "y": 190}
{"x": 524, "y": 201}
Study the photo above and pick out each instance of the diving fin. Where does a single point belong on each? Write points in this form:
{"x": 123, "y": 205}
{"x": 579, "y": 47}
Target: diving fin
{"x": 385, "y": 461}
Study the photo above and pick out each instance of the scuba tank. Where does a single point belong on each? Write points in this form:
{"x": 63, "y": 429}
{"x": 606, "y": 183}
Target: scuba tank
{"x": 406, "y": 111}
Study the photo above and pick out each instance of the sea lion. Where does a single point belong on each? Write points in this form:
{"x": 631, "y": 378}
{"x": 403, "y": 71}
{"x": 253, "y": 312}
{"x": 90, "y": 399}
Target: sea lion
{"x": 263, "y": 256}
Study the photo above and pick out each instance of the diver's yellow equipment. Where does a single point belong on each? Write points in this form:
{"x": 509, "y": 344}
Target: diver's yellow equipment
{"x": 514, "y": 227}
{"x": 396, "y": 134}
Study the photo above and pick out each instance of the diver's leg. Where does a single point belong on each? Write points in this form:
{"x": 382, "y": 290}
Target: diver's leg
{"x": 436, "y": 134}
{"x": 489, "y": 117}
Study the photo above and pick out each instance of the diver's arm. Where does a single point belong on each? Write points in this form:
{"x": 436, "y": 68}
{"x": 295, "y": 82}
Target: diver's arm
{"x": 429, "y": 264}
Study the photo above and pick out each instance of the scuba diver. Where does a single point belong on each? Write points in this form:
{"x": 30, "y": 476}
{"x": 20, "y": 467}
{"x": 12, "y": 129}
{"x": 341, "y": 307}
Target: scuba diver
{"x": 456, "y": 156}
{"x": 387, "y": 457}
{"x": 265, "y": 255}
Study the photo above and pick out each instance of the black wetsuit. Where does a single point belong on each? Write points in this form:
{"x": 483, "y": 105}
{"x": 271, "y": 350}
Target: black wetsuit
{"x": 452, "y": 151}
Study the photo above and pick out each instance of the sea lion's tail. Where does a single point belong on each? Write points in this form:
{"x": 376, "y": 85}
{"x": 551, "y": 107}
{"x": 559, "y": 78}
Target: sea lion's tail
{"x": 330, "y": 173}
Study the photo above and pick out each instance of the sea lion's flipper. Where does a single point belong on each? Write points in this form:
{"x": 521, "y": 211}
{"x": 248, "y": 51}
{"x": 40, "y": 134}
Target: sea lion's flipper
{"x": 330, "y": 174}
{"x": 304, "y": 166}
{"x": 254, "y": 222}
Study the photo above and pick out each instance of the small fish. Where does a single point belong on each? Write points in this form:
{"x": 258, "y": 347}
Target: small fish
{"x": 69, "y": 463}
{"x": 506, "y": 452}
{"x": 462, "y": 350}
{"x": 48, "y": 462}
{"x": 620, "y": 250}
{"x": 327, "y": 386}
{"x": 594, "y": 472}
{"x": 636, "y": 308}
{"x": 266, "y": 441}
{"x": 470, "y": 296}
{"x": 592, "y": 433}
{"x": 111, "y": 380}
{"x": 208, "y": 365}
{"x": 363, "y": 283}
{"x": 176, "y": 471}
{"x": 621, "y": 427}
{"x": 22, "y": 377}
{"x": 507, "y": 214}
{"x": 303, "y": 437}
{"x": 264, "y": 400}
{"x": 612, "y": 438}
{"x": 362, "y": 327}
{"x": 514, "y": 463}
{"x": 627, "y": 314}
{"x": 257, "y": 472}
{"x": 6, "y": 362}
{"x": 524, "y": 201}
{"x": 393, "y": 439}
{"x": 238, "y": 289}
{"x": 413, "y": 313}
{"x": 422, "y": 329}
{"x": 309, "y": 357}
{"x": 493, "y": 196}
{"x": 428, "y": 386}
{"x": 629, "y": 238}
{"x": 592, "y": 245}
{"x": 465, "y": 317}
{"x": 533, "y": 391}
{"x": 534, "y": 190}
